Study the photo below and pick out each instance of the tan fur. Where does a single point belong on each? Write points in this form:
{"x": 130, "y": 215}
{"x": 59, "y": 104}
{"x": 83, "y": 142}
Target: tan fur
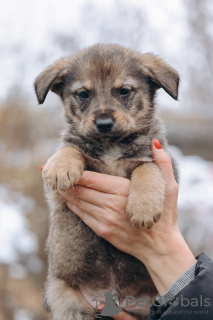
{"x": 147, "y": 191}
{"x": 80, "y": 263}
{"x": 61, "y": 297}
{"x": 161, "y": 73}
{"x": 64, "y": 169}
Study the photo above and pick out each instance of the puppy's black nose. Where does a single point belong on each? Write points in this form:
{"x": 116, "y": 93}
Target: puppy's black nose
{"x": 104, "y": 125}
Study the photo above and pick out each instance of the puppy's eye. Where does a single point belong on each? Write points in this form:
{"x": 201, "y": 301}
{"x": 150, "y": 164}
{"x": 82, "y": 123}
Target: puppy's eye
{"x": 124, "y": 92}
{"x": 84, "y": 94}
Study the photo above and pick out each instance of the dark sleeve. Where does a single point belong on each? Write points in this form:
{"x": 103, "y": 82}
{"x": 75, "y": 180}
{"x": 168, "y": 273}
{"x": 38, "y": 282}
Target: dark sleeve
{"x": 195, "y": 301}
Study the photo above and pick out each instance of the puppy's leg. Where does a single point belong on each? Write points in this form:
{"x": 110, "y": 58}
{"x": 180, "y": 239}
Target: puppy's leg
{"x": 64, "y": 169}
{"x": 66, "y": 303}
{"x": 147, "y": 190}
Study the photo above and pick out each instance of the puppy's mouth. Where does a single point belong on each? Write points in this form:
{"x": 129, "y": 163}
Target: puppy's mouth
{"x": 114, "y": 135}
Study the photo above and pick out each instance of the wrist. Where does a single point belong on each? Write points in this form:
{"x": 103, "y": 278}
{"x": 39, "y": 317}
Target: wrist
{"x": 166, "y": 264}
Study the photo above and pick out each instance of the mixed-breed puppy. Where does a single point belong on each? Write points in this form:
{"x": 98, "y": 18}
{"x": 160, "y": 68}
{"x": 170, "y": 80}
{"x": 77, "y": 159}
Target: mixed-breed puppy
{"x": 108, "y": 95}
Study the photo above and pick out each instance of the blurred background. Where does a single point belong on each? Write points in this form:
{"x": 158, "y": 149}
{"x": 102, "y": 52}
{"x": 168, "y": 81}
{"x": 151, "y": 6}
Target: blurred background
{"x": 35, "y": 33}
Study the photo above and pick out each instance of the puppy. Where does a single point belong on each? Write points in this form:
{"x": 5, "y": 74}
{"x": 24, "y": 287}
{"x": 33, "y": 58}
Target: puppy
{"x": 108, "y": 95}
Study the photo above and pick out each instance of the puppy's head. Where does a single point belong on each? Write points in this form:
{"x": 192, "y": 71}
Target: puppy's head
{"x": 108, "y": 90}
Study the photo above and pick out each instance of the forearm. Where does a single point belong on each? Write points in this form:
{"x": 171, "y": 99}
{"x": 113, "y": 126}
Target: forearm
{"x": 167, "y": 264}
{"x": 199, "y": 289}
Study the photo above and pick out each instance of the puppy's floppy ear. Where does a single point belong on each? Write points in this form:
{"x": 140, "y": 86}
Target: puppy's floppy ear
{"x": 52, "y": 79}
{"x": 161, "y": 73}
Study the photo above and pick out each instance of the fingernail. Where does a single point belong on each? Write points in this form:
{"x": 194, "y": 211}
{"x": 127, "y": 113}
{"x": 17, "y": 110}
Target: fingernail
{"x": 42, "y": 168}
{"x": 100, "y": 306}
{"x": 157, "y": 144}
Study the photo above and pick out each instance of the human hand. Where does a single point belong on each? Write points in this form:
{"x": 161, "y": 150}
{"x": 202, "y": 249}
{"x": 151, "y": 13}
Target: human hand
{"x": 100, "y": 201}
{"x": 121, "y": 316}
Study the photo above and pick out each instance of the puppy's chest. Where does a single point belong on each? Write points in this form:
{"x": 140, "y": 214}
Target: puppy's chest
{"x": 113, "y": 162}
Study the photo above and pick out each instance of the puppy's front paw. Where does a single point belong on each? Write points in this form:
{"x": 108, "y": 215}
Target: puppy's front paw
{"x": 146, "y": 197}
{"x": 61, "y": 177}
{"x": 144, "y": 210}
{"x": 63, "y": 172}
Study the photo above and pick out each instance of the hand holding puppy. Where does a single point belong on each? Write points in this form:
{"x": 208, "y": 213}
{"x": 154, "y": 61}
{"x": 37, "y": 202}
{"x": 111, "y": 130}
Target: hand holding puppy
{"x": 100, "y": 201}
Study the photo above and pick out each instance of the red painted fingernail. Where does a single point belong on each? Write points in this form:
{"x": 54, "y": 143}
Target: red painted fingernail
{"x": 42, "y": 168}
{"x": 157, "y": 144}
{"x": 100, "y": 306}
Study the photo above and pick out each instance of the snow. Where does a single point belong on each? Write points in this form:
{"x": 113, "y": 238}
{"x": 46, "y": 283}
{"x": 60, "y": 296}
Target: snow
{"x": 22, "y": 314}
{"x": 196, "y": 183}
{"x": 15, "y": 237}
{"x": 195, "y": 201}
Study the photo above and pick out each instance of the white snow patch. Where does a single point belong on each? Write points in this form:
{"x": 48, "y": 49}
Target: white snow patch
{"x": 22, "y": 314}
{"x": 15, "y": 237}
{"x": 195, "y": 200}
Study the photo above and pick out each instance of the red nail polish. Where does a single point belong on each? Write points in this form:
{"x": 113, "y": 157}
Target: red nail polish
{"x": 157, "y": 144}
{"x": 100, "y": 306}
{"x": 42, "y": 168}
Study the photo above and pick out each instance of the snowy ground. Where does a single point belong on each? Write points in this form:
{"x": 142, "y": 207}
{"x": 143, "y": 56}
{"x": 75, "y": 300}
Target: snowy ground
{"x": 196, "y": 201}
{"x": 16, "y": 239}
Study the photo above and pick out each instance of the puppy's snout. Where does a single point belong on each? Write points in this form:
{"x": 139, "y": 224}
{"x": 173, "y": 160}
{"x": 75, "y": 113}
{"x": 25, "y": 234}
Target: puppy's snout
{"x": 104, "y": 120}
{"x": 104, "y": 125}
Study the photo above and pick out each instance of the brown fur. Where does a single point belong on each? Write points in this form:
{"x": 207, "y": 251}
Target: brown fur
{"x": 103, "y": 82}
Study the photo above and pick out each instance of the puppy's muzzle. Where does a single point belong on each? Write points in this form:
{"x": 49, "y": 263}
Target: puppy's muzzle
{"x": 104, "y": 122}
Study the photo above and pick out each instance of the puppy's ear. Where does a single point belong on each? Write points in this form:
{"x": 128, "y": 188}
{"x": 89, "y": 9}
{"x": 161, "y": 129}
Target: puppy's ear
{"x": 52, "y": 79}
{"x": 161, "y": 74}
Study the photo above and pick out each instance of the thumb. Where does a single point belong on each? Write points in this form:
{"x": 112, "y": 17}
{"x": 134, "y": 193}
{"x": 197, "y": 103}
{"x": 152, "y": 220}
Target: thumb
{"x": 163, "y": 161}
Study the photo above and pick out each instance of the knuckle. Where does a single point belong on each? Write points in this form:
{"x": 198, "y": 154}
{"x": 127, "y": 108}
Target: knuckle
{"x": 90, "y": 180}
{"x": 103, "y": 231}
{"x": 111, "y": 202}
{"x": 77, "y": 191}
{"x": 109, "y": 220}
{"x": 82, "y": 215}
{"x": 117, "y": 204}
{"x": 125, "y": 187}
{"x": 166, "y": 158}
{"x": 173, "y": 189}
{"x": 76, "y": 201}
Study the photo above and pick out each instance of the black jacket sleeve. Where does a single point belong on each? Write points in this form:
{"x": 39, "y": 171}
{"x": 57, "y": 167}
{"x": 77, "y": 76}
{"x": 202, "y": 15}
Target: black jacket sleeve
{"x": 195, "y": 301}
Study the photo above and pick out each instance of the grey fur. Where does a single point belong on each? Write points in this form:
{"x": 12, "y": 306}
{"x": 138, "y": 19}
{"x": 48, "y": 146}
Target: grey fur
{"x": 77, "y": 257}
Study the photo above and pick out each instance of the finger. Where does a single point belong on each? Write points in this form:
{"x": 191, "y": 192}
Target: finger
{"x": 85, "y": 206}
{"x": 90, "y": 195}
{"x": 100, "y": 306}
{"x": 100, "y": 199}
{"x": 123, "y": 316}
{"x": 89, "y": 220}
{"x": 163, "y": 161}
{"x": 105, "y": 183}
